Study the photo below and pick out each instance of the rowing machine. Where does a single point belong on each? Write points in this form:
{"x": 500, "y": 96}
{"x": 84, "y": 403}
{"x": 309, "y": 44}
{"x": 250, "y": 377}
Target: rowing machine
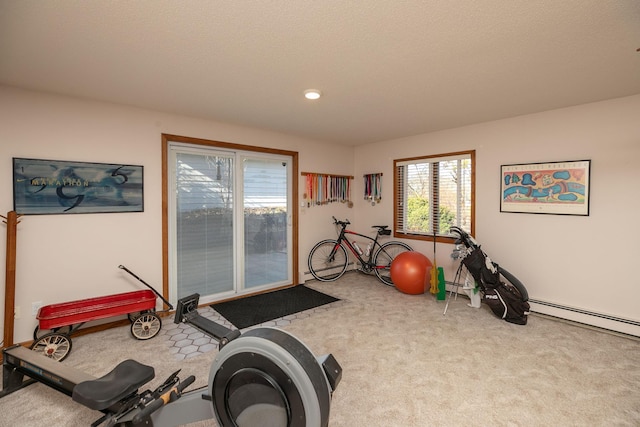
{"x": 264, "y": 377}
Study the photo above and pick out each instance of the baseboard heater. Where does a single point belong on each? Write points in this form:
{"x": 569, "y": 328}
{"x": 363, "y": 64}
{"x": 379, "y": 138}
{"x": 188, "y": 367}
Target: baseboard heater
{"x": 600, "y": 320}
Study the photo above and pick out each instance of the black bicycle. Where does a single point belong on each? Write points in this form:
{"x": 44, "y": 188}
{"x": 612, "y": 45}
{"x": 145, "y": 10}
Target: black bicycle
{"x": 328, "y": 259}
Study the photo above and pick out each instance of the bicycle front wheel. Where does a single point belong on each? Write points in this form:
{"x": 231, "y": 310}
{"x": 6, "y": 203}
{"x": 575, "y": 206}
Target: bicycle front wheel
{"x": 327, "y": 260}
{"x": 385, "y": 256}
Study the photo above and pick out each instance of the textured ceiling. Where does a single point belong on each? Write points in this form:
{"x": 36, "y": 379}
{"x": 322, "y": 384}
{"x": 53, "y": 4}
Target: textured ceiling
{"x": 388, "y": 69}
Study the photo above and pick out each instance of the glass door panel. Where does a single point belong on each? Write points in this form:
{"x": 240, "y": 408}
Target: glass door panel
{"x": 204, "y": 224}
{"x": 266, "y": 212}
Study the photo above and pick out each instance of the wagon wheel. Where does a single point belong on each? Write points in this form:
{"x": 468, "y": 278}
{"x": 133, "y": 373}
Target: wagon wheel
{"x": 146, "y": 326}
{"x": 38, "y": 333}
{"x": 54, "y": 345}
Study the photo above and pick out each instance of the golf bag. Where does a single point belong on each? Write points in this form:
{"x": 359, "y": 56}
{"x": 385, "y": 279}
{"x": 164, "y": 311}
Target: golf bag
{"x": 505, "y": 295}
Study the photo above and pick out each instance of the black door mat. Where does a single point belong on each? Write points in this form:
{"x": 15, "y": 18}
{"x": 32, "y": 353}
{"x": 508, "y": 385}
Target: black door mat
{"x": 258, "y": 309}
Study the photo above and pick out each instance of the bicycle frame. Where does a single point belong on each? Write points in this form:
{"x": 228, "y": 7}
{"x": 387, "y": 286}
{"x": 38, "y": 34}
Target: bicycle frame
{"x": 343, "y": 238}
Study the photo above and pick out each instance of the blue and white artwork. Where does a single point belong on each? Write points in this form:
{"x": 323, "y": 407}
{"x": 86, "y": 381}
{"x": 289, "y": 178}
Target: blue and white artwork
{"x": 63, "y": 187}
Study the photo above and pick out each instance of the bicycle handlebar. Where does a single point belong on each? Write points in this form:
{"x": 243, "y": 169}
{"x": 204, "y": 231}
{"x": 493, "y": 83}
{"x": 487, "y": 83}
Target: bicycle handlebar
{"x": 170, "y": 396}
{"x": 342, "y": 223}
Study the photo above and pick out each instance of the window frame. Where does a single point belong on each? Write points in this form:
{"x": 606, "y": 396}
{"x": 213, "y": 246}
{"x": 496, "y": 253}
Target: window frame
{"x": 398, "y": 198}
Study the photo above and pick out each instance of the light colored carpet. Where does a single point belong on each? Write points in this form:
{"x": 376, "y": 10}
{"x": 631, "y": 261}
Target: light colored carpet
{"x": 405, "y": 364}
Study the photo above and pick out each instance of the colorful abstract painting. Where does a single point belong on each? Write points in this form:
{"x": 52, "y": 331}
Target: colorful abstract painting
{"x": 554, "y": 188}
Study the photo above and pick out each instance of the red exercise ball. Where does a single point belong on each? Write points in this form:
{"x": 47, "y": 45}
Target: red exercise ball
{"x": 410, "y": 272}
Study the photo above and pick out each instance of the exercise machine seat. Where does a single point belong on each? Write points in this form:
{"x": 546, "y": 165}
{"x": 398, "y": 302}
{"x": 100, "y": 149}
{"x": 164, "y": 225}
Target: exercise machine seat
{"x": 104, "y": 392}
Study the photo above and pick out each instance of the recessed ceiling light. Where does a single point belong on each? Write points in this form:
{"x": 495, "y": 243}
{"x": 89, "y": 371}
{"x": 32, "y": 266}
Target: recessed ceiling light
{"x": 312, "y": 94}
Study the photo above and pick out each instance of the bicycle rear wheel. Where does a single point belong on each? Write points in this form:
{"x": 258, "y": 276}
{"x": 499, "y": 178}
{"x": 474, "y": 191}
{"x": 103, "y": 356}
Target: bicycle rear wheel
{"x": 383, "y": 258}
{"x": 327, "y": 260}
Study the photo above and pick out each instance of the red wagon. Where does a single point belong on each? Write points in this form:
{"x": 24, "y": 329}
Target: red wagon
{"x": 65, "y": 318}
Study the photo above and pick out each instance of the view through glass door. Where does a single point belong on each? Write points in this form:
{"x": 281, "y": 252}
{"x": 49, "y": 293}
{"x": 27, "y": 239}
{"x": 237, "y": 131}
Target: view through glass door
{"x": 229, "y": 222}
{"x": 266, "y": 218}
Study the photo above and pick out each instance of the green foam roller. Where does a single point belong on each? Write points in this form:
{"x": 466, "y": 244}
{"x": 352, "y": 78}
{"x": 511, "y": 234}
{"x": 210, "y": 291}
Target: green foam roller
{"x": 442, "y": 287}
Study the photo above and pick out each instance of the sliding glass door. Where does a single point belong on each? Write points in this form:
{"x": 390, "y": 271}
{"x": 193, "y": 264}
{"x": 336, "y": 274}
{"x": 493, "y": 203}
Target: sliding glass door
{"x": 229, "y": 221}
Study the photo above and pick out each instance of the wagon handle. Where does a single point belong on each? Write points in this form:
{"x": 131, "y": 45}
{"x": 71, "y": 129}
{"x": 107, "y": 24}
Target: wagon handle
{"x": 147, "y": 285}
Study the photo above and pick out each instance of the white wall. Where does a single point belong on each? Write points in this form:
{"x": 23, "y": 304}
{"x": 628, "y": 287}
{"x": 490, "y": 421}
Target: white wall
{"x": 69, "y": 257}
{"x": 584, "y": 262}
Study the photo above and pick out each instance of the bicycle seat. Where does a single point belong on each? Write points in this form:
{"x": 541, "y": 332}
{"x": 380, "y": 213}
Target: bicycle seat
{"x": 382, "y": 230}
{"x": 104, "y": 392}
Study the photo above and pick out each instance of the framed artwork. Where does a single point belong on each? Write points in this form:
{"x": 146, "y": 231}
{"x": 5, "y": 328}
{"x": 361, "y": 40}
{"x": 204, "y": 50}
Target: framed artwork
{"x": 560, "y": 188}
{"x": 62, "y": 187}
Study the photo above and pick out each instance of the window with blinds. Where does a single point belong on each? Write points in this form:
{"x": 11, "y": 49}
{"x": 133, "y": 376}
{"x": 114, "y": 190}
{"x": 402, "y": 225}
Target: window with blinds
{"x": 432, "y": 193}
